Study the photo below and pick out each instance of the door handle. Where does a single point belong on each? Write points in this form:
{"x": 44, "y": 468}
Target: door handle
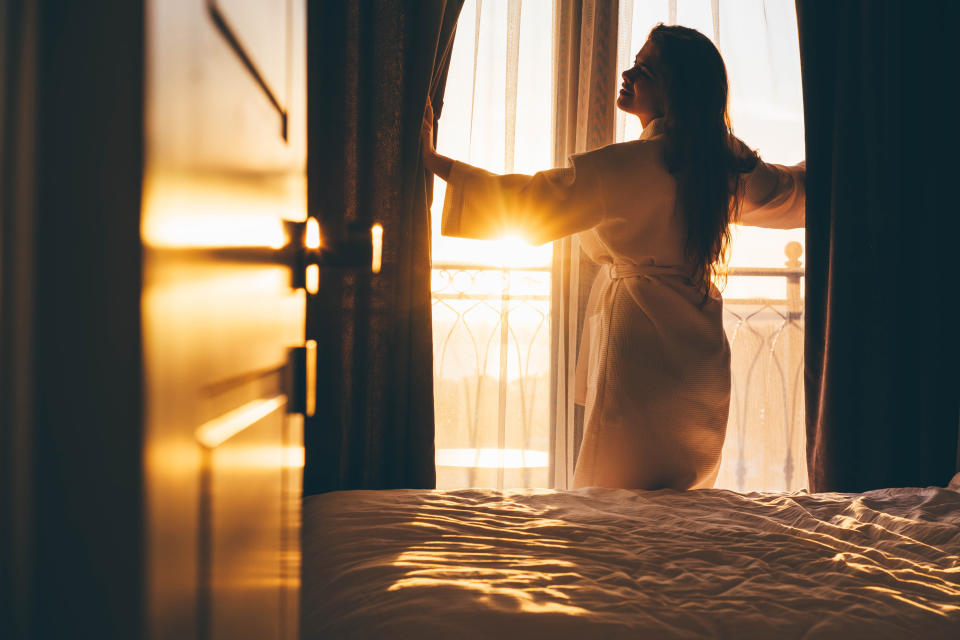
{"x": 359, "y": 248}
{"x": 305, "y": 250}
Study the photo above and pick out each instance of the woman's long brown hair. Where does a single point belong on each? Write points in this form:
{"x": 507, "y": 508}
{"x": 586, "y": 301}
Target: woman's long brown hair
{"x": 701, "y": 152}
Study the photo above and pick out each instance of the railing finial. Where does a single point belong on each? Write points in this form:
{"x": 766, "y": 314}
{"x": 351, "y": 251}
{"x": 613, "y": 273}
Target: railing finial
{"x": 793, "y": 250}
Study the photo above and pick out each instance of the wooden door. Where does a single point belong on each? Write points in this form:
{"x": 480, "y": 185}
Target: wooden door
{"x": 224, "y": 167}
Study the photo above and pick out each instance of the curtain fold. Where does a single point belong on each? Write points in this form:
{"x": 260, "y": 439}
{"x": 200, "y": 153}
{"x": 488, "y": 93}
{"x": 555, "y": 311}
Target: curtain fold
{"x": 881, "y": 334}
{"x": 586, "y": 77}
{"x": 371, "y": 66}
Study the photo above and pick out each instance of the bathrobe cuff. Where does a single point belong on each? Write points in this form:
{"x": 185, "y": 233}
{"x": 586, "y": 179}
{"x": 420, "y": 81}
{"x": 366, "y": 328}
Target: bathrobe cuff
{"x": 451, "y": 222}
{"x": 775, "y": 197}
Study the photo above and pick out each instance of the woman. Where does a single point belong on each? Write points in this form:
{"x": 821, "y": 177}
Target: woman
{"x": 654, "y": 367}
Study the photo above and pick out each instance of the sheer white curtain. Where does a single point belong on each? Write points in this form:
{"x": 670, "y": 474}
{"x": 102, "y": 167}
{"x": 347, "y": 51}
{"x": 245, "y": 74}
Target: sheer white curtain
{"x": 491, "y": 300}
{"x": 586, "y": 71}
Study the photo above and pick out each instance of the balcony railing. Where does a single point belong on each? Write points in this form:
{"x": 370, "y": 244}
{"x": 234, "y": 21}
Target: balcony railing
{"x": 491, "y": 374}
{"x": 492, "y": 371}
{"x": 765, "y": 444}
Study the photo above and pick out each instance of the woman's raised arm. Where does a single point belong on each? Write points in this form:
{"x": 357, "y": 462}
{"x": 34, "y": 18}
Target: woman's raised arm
{"x": 543, "y": 207}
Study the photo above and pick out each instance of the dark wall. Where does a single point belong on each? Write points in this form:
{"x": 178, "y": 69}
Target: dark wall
{"x": 71, "y": 397}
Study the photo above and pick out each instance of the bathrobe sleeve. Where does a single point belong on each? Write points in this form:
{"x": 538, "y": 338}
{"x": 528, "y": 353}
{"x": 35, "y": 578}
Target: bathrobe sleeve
{"x": 774, "y": 196}
{"x": 543, "y": 207}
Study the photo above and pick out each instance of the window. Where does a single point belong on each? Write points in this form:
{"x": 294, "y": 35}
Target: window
{"x": 491, "y": 301}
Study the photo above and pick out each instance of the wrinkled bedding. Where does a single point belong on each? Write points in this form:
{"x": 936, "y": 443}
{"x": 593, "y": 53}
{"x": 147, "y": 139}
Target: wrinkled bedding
{"x": 607, "y": 563}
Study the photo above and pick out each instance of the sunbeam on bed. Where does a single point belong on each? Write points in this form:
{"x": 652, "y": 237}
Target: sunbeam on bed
{"x": 616, "y": 563}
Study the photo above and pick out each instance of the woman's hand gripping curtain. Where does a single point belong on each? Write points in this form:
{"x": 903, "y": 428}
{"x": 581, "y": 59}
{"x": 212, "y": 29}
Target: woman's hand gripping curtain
{"x": 432, "y": 161}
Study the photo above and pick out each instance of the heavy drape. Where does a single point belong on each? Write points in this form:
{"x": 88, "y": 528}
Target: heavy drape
{"x": 371, "y": 66}
{"x": 586, "y": 80}
{"x": 881, "y": 334}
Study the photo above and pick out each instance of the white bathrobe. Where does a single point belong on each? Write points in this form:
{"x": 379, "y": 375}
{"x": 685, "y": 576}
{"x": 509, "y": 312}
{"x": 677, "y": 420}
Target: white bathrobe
{"x": 654, "y": 366}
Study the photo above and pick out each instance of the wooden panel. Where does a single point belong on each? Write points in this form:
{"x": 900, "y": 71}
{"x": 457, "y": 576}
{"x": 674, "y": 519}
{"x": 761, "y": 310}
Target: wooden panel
{"x": 250, "y": 527}
{"x": 290, "y": 554}
{"x": 263, "y": 34}
{"x": 242, "y": 522}
{"x": 218, "y": 174}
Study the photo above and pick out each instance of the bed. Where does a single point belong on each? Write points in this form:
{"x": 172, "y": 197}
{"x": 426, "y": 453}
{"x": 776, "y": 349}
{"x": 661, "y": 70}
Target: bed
{"x": 605, "y": 563}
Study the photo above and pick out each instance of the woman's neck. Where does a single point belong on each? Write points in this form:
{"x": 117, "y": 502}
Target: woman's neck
{"x": 646, "y": 118}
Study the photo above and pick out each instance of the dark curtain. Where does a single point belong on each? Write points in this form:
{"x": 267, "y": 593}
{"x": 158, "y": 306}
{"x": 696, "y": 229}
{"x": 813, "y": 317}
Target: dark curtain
{"x": 371, "y": 66}
{"x": 881, "y": 327}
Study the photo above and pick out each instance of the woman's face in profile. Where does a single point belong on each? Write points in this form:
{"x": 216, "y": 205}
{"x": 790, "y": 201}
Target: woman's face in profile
{"x": 639, "y": 93}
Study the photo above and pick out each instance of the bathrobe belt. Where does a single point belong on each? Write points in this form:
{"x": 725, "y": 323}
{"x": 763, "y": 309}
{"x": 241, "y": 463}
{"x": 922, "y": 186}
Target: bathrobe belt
{"x": 618, "y": 271}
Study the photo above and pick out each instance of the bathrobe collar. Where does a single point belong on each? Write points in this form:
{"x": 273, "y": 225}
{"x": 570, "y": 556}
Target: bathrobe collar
{"x": 653, "y": 129}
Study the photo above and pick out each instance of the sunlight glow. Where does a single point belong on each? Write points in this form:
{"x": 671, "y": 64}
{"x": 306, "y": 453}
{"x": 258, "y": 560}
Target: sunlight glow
{"x": 939, "y": 609}
{"x": 311, "y": 381}
{"x": 376, "y": 237}
{"x": 213, "y": 433}
{"x": 190, "y": 212}
{"x": 192, "y": 229}
{"x": 493, "y": 458}
{"x": 311, "y": 239}
{"x": 510, "y": 251}
{"x": 507, "y": 598}
{"x": 313, "y": 278}
{"x": 265, "y": 457}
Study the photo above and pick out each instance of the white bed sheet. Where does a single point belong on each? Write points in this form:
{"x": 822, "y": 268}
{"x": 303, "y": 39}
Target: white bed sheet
{"x": 602, "y": 563}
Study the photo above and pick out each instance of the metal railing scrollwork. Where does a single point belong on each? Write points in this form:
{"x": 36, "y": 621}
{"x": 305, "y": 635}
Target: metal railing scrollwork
{"x": 492, "y": 371}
